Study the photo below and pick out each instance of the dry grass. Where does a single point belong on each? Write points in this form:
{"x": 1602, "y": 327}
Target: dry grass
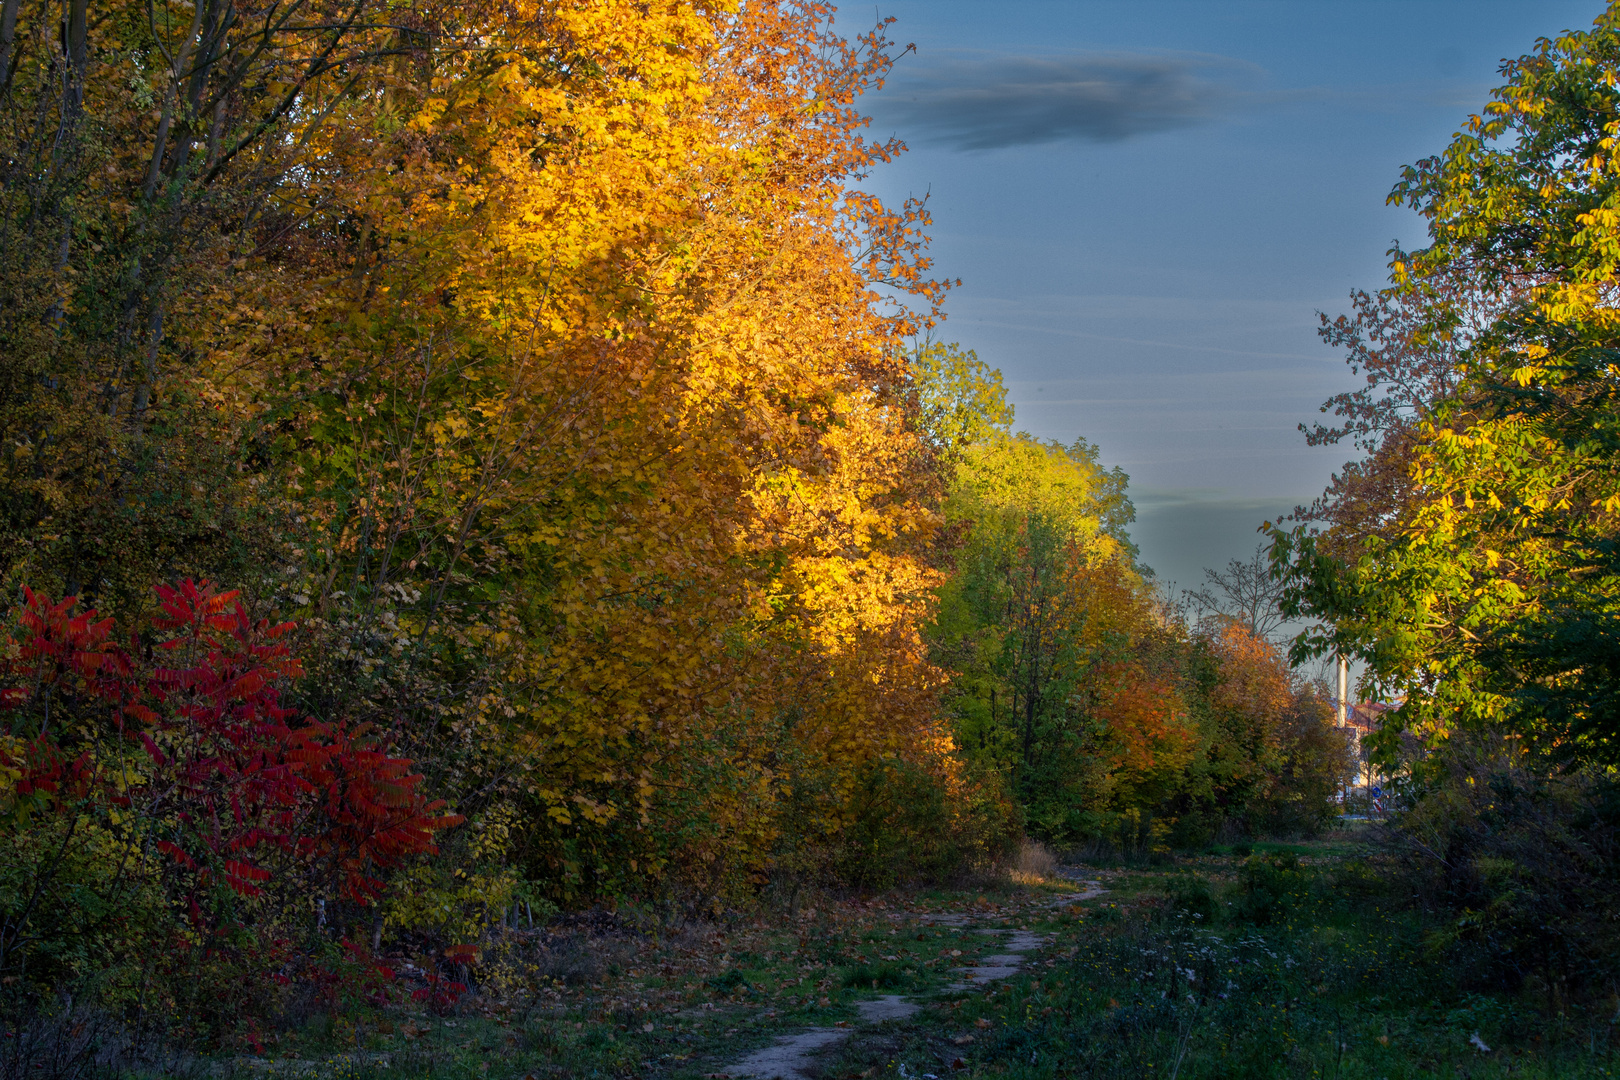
{"x": 1033, "y": 864}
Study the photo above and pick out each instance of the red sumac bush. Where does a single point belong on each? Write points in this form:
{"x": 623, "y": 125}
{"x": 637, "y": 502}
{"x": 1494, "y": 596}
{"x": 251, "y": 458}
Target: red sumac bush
{"x": 172, "y": 753}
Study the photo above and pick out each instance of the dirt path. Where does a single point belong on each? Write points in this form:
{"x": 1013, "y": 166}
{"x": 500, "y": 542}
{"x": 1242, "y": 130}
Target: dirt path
{"x": 792, "y": 1056}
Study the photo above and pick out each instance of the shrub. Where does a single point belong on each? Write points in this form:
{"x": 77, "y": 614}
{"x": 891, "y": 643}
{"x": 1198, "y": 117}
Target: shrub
{"x": 1518, "y": 864}
{"x": 910, "y": 822}
{"x": 1033, "y": 864}
{"x": 1313, "y": 765}
{"x": 1268, "y": 889}
{"x": 1192, "y": 896}
{"x": 168, "y": 822}
{"x": 1355, "y": 882}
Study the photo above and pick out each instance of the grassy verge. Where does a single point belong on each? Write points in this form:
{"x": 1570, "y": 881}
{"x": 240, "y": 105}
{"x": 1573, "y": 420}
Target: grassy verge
{"x": 1279, "y": 961}
{"x": 622, "y": 997}
{"x": 1290, "y": 962}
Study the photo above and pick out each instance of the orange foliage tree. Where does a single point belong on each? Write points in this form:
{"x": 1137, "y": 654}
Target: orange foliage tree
{"x": 544, "y": 359}
{"x": 1271, "y": 756}
{"x": 594, "y": 409}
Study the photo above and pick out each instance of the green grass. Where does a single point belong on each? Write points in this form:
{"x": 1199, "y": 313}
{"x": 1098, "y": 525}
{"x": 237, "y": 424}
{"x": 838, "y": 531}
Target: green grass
{"x": 1293, "y": 971}
{"x": 675, "y": 1005}
{"x": 1296, "y": 962}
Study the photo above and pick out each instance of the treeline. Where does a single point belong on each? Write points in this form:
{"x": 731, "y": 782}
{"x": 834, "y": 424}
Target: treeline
{"x": 1468, "y": 558}
{"x": 493, "y": 442}
{"x": 1109, "y": 719}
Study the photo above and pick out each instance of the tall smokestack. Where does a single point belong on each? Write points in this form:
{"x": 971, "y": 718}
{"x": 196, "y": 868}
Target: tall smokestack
{"x": 1344, "y": 691}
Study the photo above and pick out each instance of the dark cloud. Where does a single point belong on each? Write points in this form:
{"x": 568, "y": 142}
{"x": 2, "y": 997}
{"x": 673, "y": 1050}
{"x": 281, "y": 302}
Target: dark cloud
{"x": 985, "y": 104}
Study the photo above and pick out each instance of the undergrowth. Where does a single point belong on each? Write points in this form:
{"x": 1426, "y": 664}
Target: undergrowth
{"x": 1301, "y": 960}
{"x": 1265, "y": 966}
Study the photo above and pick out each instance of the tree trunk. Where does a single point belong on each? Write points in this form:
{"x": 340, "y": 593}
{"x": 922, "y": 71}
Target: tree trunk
{"x": 8, "y": 40}
{"x": 78, "y": 35}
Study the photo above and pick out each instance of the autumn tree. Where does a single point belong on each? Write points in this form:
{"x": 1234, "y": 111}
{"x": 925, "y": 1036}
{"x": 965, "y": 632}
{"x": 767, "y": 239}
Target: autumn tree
{"x": 602, "y": 420}
{"x": 960, "y": 398}
{"x": 1039, "y": 620}
{"x": 147, "y": 148}
{"x": 544, "y": 360}
{"x": 1485, "y": 594}
{"x": 547, "y": 367}
{"x": 1271, "y": 756}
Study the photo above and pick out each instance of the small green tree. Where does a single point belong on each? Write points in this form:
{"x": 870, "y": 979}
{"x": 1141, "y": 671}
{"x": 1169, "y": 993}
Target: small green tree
{"x": 1043, "y": 593}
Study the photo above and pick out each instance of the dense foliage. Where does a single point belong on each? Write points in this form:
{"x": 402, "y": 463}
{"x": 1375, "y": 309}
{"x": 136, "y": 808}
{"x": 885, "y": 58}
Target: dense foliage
{"x": 1109, "y": 718}
{"x": 1481, "y": 586}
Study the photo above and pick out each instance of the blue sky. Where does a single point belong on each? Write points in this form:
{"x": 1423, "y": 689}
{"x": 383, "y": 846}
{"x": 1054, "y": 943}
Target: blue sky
{"x": 1148, "y": 202}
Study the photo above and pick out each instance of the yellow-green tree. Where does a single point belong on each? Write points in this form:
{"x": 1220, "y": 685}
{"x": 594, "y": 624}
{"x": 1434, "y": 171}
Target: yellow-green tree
{"x": 1487, "y": 593}
{"x": 601, "y": 409}
{"x": 1039, "y": 621}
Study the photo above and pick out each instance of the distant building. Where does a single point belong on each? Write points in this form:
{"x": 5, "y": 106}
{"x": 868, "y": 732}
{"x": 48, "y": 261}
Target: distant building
{"x": 1361, "y": 720}
{"x": 1358, "y": 721}
{"x": 1365, "y": 716}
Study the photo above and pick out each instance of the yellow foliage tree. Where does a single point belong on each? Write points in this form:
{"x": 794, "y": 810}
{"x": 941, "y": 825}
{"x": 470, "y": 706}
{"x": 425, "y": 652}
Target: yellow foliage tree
{"x": 597, "y": 396}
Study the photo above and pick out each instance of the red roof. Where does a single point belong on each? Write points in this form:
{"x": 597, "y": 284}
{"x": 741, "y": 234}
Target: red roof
{"x": 1365, "y": 716}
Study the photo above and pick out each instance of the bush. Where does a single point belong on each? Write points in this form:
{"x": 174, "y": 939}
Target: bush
{"x": 1194, "y": 829}
{"x": 167, "y": 827}
{"x": 1192, "y": 896}
{"x": 1298, "y": 798}
{"x": 912, "y": 823}
{"x": 1518, "y": 865}
{"x": 1269, "y": 888}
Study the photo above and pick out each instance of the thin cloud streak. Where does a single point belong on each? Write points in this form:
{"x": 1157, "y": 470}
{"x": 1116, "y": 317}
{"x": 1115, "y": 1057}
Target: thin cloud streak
{"x": 1084, "y": 335}
{"x": 997, "y": 102}
{"x": 1156, "y": 500}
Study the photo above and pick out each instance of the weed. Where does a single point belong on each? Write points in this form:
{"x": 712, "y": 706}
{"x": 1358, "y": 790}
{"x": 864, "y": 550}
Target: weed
{"x": 1191, "y": 895}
